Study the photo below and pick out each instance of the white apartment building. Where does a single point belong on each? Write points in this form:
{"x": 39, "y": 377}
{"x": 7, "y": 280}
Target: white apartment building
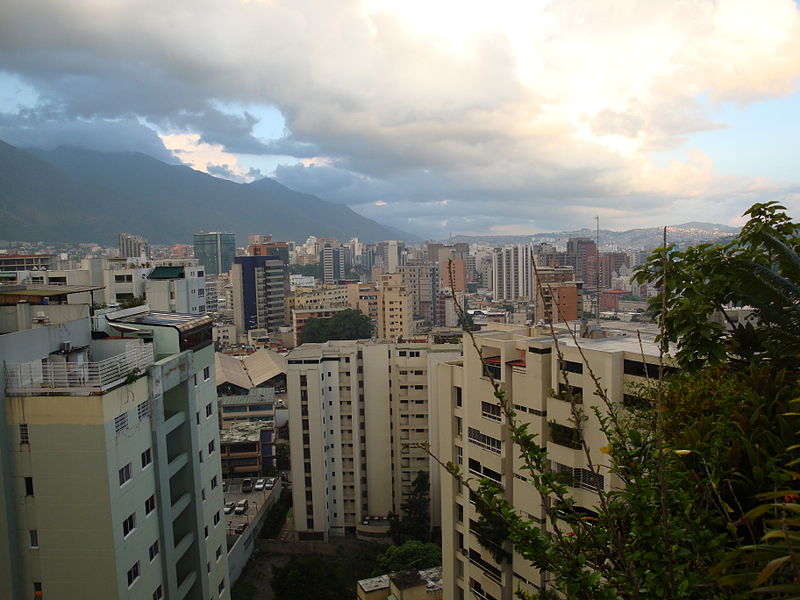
{"x": 353, "y": 405}
{"x": 110, "y": 476}
{"x": 179, "y": 289}
{"x": 473, "y": 435}
{"x": 512, "y": 272}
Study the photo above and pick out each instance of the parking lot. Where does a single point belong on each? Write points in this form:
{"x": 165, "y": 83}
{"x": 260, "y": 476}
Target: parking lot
{"x": 256, "y": 500}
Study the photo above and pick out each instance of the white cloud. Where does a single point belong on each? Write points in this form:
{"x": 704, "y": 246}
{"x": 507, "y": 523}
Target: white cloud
{"x": 503, "y": 109}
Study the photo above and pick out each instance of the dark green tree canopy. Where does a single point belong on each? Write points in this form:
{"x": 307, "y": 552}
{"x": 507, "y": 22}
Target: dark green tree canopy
{"x": 349, "y": 324}
{"x": 411, "y": 555}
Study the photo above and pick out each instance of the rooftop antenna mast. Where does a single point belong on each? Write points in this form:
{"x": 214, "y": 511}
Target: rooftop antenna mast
{"x": 597, "y": 268}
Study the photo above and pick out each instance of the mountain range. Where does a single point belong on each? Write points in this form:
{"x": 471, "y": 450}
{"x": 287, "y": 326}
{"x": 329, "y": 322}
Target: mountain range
{"x": 75, "y": 195}
{"x": 684, "y": 234}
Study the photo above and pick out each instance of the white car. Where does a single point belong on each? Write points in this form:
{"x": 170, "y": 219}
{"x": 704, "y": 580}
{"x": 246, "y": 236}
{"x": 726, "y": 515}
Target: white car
{"x": 229, "y": 506}
{"x": 270, "y": 483}
{"x": 260, "y": 484}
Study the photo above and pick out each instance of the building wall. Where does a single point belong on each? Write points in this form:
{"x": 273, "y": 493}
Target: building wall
{"x": 350, "y": 414}
{"x": 472, "y": 436}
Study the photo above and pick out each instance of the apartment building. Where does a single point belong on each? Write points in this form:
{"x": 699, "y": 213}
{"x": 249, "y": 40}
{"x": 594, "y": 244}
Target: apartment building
{"x": 394, "y": 308}
{"x": 133, "y": 246}
{"x": 422, "y": 285}
{"x": 109, "y": 462}
{"x": 260, "y": 284}
{"x": 177, "y": 289}
{"x": 353, "y": 407}
{"x": 473, "y": 435}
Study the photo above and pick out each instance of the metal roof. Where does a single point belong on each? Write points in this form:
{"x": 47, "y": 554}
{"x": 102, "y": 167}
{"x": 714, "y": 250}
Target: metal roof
{"x": 181, "y": 321}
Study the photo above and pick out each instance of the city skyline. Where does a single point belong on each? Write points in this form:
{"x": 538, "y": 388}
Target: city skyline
{"x": 463, "y": 118}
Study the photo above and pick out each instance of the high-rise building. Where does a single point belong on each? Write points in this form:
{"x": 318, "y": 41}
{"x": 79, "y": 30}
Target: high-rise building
{"x": 260, "y": 284}
{"x": 110, "y": 477}
{"x": 394, "y": 308}
{"x": 133, "y": 246}
{"x": 474, "y": 436}
{"x": 215, "y": 251}
{"x": 353, "y": 408}
{"x": 512, "y": 273}
{"x": 331, "y": 259}
{"x": 263, "y": 245}
{"x": 422, "y": 285}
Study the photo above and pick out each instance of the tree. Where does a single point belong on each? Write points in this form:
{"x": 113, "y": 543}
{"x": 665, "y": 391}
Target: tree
{"x": 695, "y": 460}
{"x": 293, "y": 581}
{"x": 282, "y": 456}
{"x": 415, "y": 522}
{"x": 349, "y": 324}
{"x": 413, "y": 554}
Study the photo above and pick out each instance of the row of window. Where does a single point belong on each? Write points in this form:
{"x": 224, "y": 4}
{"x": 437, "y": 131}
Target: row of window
{"x": 126, "y": 472}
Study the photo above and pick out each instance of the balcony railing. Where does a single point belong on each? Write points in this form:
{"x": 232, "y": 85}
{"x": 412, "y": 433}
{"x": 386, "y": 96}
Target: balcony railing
{"x": 52, "y": 377}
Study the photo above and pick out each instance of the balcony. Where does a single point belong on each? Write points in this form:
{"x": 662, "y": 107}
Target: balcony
{"x": 40, "y": 377}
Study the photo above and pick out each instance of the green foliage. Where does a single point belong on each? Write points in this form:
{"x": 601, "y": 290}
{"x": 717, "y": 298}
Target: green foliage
{"x": 324, "y": 576}
{"x": 759, "y": 268}
{"x": 415, "y": 523}
{"x": 310, "y": 576}
{"x": 349, "y": 324}
{"x": 133, "y": 301}
{"x": 308, "y": 270}
{"x": 273, "y": 522}
{"x": 413, "y": 554}
{"x": 282, "y": 456}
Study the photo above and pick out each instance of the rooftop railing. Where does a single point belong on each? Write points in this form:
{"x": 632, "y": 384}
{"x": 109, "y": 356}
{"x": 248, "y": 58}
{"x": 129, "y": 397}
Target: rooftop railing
{"x": 60, "y": 377}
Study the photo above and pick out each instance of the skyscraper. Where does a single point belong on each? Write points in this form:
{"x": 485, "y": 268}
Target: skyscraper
{"x": 215, "y": 251}
{"x": 260, "y": 285}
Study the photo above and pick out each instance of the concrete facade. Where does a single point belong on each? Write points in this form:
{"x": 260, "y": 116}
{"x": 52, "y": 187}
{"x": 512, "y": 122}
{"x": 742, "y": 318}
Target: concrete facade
{"x": 110, "y": 464}
{"x": 353, "y": 408}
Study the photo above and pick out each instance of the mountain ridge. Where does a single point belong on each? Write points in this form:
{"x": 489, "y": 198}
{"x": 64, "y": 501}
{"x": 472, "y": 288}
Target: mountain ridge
{"x": 71, "y": 194}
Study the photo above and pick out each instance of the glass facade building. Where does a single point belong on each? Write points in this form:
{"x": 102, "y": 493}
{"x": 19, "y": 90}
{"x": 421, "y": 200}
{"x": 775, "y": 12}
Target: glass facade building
{"x": 215, "y": 251}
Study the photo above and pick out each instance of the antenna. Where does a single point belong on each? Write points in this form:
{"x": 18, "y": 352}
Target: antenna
{"x": 597, "y": 269}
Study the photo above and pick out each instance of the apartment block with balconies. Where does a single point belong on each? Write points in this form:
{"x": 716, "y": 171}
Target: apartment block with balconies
{"x": 473, "y": 435}
{"x": 111, "y": 479}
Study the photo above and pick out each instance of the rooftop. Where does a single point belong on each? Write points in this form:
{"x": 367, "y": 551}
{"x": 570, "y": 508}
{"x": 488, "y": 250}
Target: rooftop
{"x": 181, "y": 321}
{"x": 250, "y": 371}
{"x": 243, "y": 432}
{"x": 374, "y": 583}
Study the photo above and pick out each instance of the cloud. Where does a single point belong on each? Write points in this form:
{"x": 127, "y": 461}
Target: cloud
{"x": 514, "y": 110}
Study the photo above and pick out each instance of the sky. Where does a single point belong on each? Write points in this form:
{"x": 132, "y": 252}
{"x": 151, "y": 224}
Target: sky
{"x": 436, "y": 117}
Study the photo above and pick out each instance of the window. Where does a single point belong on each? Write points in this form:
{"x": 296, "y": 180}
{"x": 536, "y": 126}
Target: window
{"x": 209, "y": 410}
{"x": 213, "y": 482}
{"x": 203, "y": 494}
{"x": 206, "y": 373}
{"x": 143, "y": 410}
{"x": 37, "y": 589}
{"x": 128, "y": 525}
{"x": 216, "y": 518}
{"x": 121, "y": 423}
{"x": 153, "y": 551}
{"x": 490, "y": 411}
{"x": 219, "y": 552}
{"x": 200, "y": 455}
{"x": 147, "y": 457}
{"x": 205, "y": 531}
{"x": 212, "y": 446}
{"x": 133, "y": 573}
{"x": 33, "y": 534}
{"x": 221, "y": 587}
{"x": 158, "y": 594}
{"x": 150, "y": 504}
{"x": 197, "y": 417}
{"x": 125, "y": 474}
{"x": 29, "y": 486}
{"x": 23, "y": 434}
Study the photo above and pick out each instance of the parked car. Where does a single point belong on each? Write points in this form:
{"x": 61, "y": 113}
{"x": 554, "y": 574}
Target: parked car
{"x": 229, "y": 506}
{"x": 241, "y": 507}
{"x": 247, "y": 485}
{"x": 239, "y": 529}
{"x": 270, "y": 483}
{"x": 260, "y": 484}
